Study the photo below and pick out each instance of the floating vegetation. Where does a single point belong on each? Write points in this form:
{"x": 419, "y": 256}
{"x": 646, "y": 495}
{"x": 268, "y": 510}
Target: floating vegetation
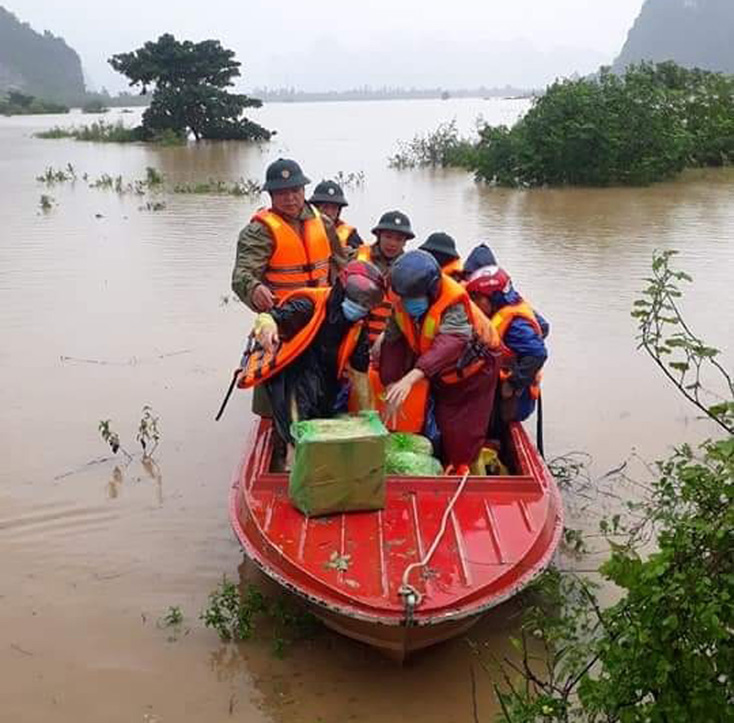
{"x": 173, "y": 616}
{"x": 52, "y": 175}
{"x": 153, "y": 206}
{"x": 98, "y": 131}
{"x": 241, "y": 187}
{"x": 153, "y": 177}
{"x": 153, "y": 181}
{"x": 350, "y": 180}
{"x": 46, "y": 202}
{"x": 235, "y": 615}
{"x": 148, "y": 435}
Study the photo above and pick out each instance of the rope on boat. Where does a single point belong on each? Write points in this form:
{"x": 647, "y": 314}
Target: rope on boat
{"x": 412, "y": 595}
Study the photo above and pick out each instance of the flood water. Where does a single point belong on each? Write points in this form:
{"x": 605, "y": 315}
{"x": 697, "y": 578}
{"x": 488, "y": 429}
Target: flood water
{"x": 106, "y": 306}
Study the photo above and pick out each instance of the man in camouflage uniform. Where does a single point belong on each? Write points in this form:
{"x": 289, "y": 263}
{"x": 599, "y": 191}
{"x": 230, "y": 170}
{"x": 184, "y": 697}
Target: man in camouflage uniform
{"x": 285, "y": 182}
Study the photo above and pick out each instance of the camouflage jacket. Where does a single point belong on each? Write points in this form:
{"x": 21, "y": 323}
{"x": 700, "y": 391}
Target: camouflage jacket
{"x": 255, "y": 247}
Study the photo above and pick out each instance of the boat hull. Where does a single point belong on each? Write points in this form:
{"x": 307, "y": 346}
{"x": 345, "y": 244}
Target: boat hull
{"x": 397, "y": 642}
{"x": 502, "y": 533}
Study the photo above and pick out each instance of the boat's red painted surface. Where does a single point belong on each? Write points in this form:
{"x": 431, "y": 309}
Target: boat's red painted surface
{"x": 502, "y": 532}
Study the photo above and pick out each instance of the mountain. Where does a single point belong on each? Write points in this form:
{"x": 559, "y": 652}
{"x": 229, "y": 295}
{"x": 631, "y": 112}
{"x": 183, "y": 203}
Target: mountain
{"x": 40, "y": 65}
{"x": 693, "y": 33}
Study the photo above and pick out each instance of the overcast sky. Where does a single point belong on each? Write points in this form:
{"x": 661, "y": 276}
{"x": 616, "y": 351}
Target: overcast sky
{"x": 325, "y": 44}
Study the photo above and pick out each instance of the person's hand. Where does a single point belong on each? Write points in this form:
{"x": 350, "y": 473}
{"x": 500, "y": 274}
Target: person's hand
{"x": 267, "y": 337}
{"x": 262, "y": 298}
{"x": 507, "y": 390}
{"x": 397, "y": 393}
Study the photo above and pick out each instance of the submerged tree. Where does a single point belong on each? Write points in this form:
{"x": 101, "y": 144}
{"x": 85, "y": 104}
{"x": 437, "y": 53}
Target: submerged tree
{"x": 189, "y": 81}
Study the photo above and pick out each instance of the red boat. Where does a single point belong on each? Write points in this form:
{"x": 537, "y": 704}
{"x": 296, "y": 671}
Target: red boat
{"x": 351, "y": 569}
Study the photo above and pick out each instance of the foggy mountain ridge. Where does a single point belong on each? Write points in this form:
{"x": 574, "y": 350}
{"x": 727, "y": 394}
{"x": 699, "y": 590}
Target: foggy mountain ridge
{"x": 42, "y": 65}
{"x": 693, "y": 33}
{"x": 430, "y": 63}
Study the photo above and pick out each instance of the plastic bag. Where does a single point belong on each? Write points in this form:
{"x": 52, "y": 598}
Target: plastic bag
{"x": 410, "y": 464}
{"x": 339, "y": 465}
{"x": 406, "y": 442}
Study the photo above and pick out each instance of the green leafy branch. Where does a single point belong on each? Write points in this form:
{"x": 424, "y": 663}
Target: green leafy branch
{"x": 148, "y": 435}
{"x": 681, "y": 355}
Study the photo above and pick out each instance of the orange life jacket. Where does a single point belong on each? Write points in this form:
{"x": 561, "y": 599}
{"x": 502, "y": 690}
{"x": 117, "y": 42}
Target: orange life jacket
{"x": 501, "y": 321}
{"x": 379, "y": 315}
{"x": 344, "y": 231}
{"x": 297, "y": 261}
{"x": 262, "y": 365}
{"x": 453, "y": 268}
{"x": 450, "y": 294}
{"x": 412, "y": 413}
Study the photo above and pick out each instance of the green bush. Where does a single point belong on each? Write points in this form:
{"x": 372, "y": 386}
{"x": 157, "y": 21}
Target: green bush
{"x": 645, "y": 126}
{"x": 98, "y": 131}
{"x": 442, "y": 147}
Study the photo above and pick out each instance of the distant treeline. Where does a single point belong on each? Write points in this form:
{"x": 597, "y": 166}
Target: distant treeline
{"x": 15, "y": 103}
{"x": 292, "y": 95}
{"x": 635, "y": 129}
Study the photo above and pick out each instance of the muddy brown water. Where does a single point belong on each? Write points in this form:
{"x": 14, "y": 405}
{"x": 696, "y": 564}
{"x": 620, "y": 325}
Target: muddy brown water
{"x": 105, "y": 307}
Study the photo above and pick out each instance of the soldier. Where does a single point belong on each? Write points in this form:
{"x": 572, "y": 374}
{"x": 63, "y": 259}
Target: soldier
{"x": 329, "y": 198}
{"x": 289, "y": 246}
{"x": 443, "y": 248}
{"x": 393, "y": 231}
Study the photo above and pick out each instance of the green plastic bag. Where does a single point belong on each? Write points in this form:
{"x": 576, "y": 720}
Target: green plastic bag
{"x": 339, "y": 465}
{"x": 410, "y": 464}
{"x": 405, "y": 442}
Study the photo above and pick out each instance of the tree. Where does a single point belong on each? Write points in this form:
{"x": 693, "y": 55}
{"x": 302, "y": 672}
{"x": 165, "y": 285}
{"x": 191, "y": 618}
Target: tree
{"x": 190, "y": 81}
{"x": 664, "y": 653}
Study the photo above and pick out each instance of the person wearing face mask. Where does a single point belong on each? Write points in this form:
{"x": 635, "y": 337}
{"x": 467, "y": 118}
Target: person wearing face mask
{"x": 310, "y": 341}
{"x": 329, "y": 198}
{"x": 438, "y": 344}
{"x": 392, "y": 232}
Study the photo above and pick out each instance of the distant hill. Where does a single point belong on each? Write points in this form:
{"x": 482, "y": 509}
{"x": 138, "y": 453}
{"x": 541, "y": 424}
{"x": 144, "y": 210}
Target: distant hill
{"x": 693, "y": 33}
{"x": 41, "y": 65}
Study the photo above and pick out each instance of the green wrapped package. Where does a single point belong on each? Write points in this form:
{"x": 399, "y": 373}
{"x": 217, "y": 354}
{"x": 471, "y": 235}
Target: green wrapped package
{"x": 339, "y": 465}
{"x": 410, "y": 464}
{"x": 405, "y": 442}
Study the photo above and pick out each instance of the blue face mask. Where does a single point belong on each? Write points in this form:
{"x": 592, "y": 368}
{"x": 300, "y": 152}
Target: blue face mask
{"x": 416, "y": 307}
{"x": 353, "y": 311}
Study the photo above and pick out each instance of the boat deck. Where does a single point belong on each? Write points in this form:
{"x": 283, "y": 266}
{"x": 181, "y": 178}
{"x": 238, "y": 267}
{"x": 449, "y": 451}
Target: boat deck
{"x": 500, "y": 532}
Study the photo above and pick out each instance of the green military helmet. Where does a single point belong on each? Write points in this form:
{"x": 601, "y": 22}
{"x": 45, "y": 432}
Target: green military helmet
{"x": 440, "y": 243}
{"x": 284, "y": 173}
{"x": 328, "y": 192}
{"x": 394, "y": 221}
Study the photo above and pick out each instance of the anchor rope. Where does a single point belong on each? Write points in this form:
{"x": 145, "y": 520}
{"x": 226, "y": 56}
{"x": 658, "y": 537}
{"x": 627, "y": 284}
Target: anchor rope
{"x": 406, "y": 589}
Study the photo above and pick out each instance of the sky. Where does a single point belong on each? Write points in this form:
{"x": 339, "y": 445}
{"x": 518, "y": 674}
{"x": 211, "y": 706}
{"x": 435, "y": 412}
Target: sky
{"x": 342, "y": 44}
